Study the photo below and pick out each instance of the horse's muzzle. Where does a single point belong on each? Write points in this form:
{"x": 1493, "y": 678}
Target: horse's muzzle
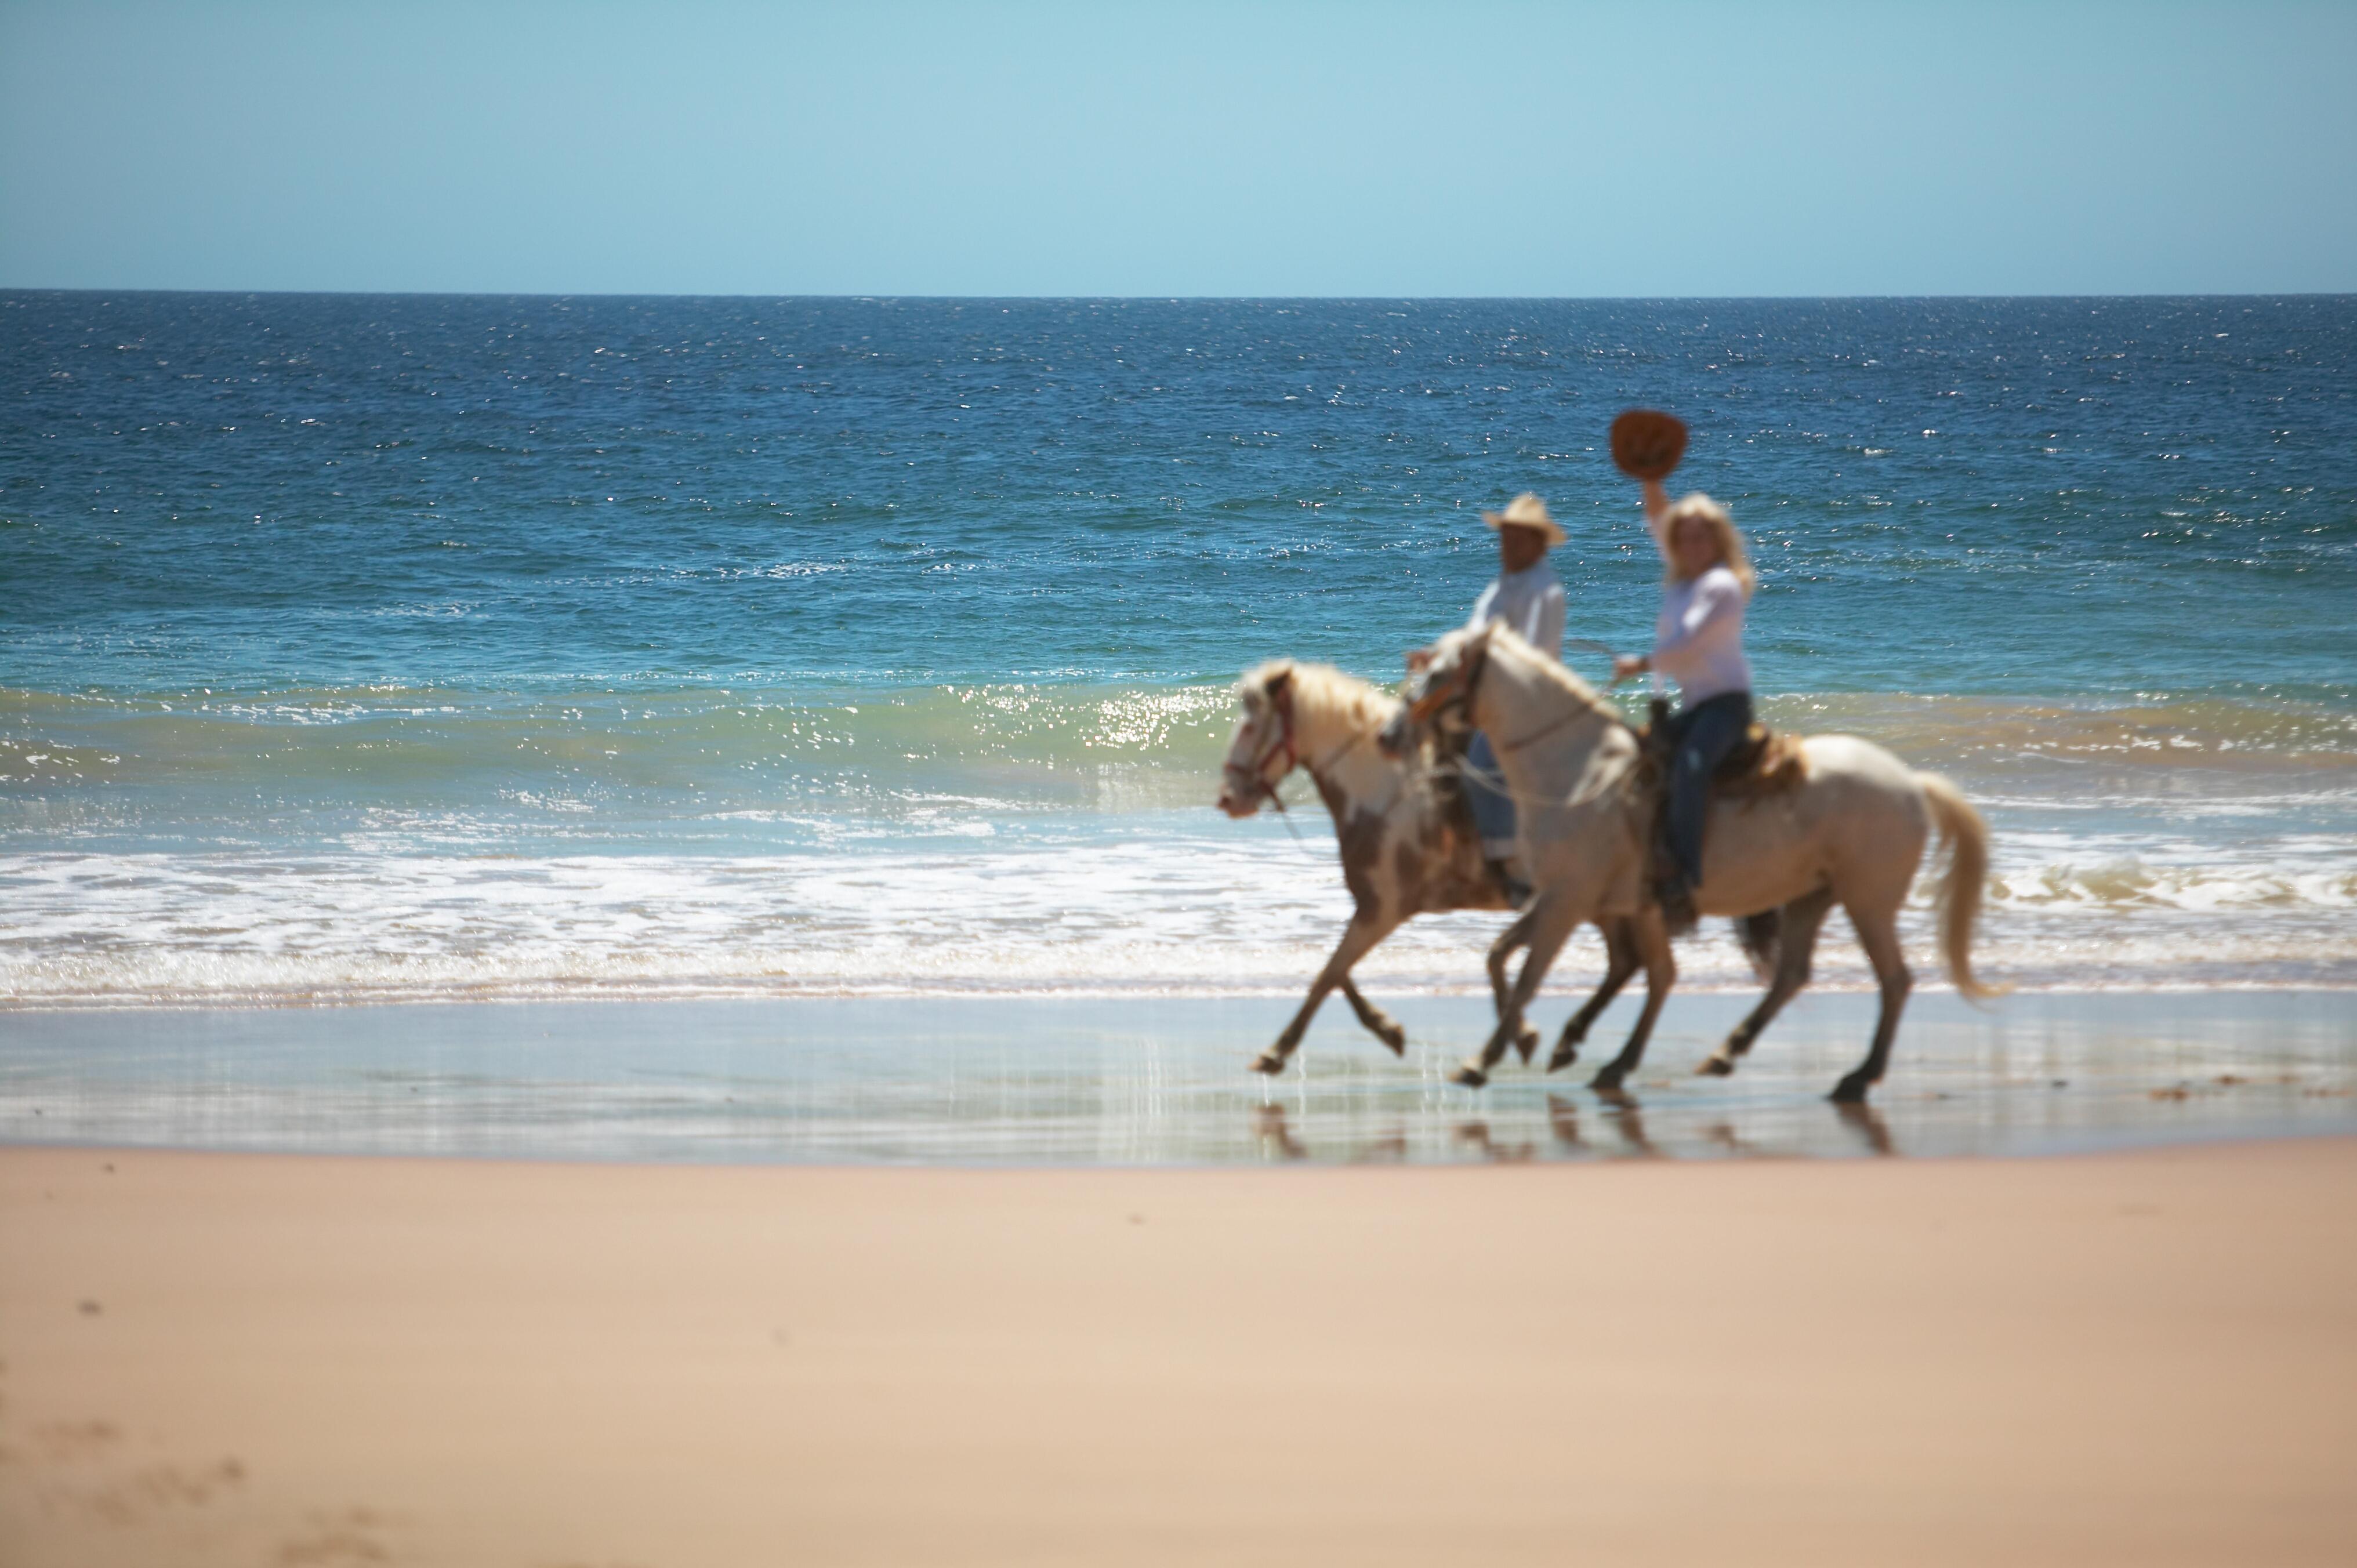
{"x": 1238, "y": 802}
{"x": 1396, "y": 736}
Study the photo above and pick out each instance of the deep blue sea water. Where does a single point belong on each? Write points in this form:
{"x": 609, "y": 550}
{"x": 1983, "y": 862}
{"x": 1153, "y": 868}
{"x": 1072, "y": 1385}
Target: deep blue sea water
{"x": 2020, "y": 496}
{"x": 422, "y": 646}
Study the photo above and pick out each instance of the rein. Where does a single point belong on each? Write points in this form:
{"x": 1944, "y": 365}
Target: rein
{"x": 1589, "y": 707}
{"x": 1590, "y": 704}
{"x": 1592, "y": 707}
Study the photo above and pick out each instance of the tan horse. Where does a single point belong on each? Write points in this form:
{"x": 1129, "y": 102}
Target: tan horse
{"x": 1853, "y": 832}
{"x": 1403, "y": 852}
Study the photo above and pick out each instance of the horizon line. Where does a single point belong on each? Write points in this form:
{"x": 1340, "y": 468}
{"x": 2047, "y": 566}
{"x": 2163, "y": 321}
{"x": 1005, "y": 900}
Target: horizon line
{"x": 895, "y": 297}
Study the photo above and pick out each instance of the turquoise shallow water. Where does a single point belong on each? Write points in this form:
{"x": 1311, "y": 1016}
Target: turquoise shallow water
{"x": 404, "y": 648}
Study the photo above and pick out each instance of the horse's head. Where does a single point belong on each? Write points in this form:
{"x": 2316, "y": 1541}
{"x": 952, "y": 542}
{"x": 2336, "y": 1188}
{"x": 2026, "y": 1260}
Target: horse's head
{"x": 1262, "y": 751}
{"x": 1440, "y": 691}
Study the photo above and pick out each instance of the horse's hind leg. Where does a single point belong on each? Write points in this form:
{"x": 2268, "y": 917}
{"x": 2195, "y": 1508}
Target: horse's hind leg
{"x": 1359, "y": 939}
{"x": 1797, "y": 929}
{"x": 1620, "y": 963}
{"x": 1661, "y": 974}
{"x": 1760, "y": 935}
{"x": 1552, "y": 923}
{"x": 1877, "y": 933}
{"x": 1379, "y": 1023}
{"x": 1517, "y": 935}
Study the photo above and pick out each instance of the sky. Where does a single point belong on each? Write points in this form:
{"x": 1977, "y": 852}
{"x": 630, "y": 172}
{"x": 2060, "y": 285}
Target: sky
{"x": 1362, "y": 150}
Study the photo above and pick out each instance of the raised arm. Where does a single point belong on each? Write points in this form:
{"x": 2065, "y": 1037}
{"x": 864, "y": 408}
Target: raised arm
{"x": 1657, "y": 513}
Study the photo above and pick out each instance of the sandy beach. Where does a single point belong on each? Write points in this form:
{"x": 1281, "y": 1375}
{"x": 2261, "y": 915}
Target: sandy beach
{"x": 2132, "y": 1357}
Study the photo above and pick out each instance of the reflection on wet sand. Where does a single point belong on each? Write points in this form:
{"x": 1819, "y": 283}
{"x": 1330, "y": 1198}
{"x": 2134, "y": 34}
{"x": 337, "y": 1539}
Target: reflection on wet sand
{"x": 1563, "y": 1120}
{"x": 1868, "y": 1125}
{"x": 1628, "y": 1119}
{"x": 1622, "y": 1113}
{"x": 1275, "y": 1135}
{"x": 1113, "y": 1082}
{"x": 1476, "y": 1136}
{"x": 1724, "y": 1135}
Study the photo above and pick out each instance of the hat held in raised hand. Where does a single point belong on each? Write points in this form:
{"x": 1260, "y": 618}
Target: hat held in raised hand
{"x": 1647, "y": 443}
{"x": 1526, "y": 511}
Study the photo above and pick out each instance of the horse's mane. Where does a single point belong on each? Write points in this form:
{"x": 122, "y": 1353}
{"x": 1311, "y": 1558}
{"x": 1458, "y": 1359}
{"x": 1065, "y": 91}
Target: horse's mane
{"x": 1322, "y": 692}
{"x": 1504, "y": 637}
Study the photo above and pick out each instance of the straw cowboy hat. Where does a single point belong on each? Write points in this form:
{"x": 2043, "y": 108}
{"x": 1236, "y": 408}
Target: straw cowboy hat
{"x": 1526, "y": 511}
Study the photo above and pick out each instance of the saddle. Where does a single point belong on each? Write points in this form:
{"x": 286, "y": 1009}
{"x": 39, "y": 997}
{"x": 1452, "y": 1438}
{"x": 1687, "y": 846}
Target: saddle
{"x": 1764, "y": 762}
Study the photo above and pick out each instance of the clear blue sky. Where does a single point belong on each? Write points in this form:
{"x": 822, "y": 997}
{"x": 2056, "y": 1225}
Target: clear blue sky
{"x": 1194, "y": 149}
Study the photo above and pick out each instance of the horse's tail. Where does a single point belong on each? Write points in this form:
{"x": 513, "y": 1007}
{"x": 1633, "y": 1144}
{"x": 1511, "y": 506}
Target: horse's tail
{"x": 1966, "y": 836}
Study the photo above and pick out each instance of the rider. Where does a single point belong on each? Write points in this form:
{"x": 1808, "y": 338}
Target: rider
{"x": 1697, "y": 640}
{"x": 1528, "y": 596}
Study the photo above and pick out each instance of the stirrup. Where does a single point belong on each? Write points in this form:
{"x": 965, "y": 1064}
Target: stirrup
{"x": 1506, "y": 875}
{"x": 1676, "y": 900}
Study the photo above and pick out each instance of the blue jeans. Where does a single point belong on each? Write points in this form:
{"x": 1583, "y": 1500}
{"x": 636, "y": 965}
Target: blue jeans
{"x": 1493, "y": 812}
{"x": 1702, "y": 736}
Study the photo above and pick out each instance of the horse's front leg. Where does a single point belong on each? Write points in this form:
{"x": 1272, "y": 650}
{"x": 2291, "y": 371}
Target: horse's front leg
{"x": 1359, "y": 939}
{"x": 1514, "y": 936}
{"x": 1379, "y": 1023}
{"x": 1661, "y": 974}
{"x": 1552, "y": 922}
{"x": 1620, "y": 963}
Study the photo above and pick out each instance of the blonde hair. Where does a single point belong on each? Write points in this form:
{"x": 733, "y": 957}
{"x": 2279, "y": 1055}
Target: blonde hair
{"x": 1699, "y": 507}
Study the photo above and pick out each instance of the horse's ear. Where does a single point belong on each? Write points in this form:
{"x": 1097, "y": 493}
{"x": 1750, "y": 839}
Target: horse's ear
{"x": 1279, "y": 686}
{"x": 1477, "y": 656}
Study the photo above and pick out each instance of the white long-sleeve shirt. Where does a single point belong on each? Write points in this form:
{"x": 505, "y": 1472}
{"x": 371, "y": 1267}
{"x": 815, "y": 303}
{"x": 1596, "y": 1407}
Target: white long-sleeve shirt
{"x": 1531, "y": 601}
{"x": 1698, "y": 640}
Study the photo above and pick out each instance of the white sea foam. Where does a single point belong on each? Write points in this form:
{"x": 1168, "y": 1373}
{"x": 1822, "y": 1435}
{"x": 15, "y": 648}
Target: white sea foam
{"x": 1242, "y": 912}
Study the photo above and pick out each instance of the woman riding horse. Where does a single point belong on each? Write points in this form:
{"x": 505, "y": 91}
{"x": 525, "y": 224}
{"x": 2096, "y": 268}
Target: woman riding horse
{"x": 1697, "y": 641}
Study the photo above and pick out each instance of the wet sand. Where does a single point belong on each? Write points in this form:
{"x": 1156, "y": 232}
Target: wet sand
{"x": 1161, "y": 1081}
{"x": 2138, "y": 1357}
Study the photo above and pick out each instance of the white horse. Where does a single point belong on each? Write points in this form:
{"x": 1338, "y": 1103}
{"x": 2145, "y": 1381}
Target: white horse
{"x": 1403, "y": 851}
{"x": 1853, "y": 832}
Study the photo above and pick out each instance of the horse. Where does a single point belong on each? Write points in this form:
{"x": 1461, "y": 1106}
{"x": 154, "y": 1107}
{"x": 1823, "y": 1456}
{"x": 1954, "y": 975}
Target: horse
{"x": 1852, "y": 832}
{"x": 1403, "y": 853}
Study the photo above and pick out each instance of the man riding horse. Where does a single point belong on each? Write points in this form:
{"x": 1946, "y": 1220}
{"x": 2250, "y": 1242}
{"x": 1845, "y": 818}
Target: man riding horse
{"x": 1527, "y": 596}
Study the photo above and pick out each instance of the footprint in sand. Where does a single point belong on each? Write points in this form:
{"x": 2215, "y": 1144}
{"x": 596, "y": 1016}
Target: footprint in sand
{"x": 131, "y": 1498}
{"x": 349, "y": 1536}
{"x": 71, "y": 1441}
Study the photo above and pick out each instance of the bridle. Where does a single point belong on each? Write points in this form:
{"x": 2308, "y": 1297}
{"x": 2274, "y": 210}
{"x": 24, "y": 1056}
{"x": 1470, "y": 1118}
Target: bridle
{"x": 1430, "y": 703}
{"x": 1264, "y": 783}
{"x": 1287, "y": 748}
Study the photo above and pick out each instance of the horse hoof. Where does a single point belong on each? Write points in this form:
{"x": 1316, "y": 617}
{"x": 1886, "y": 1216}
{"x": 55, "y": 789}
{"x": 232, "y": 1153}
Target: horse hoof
{"x": 1564, "y": 1056}
{"x": 1606, "y": 1081}
{"x": 1528, "y": 1044}
{"x": 1470, "y": 1077}
{"x": 1268, "y": 1062}
{"x": 1715, "y": 1067}
{"x": 1851, "y": 1091}
{"x": 1395, "y": 1037}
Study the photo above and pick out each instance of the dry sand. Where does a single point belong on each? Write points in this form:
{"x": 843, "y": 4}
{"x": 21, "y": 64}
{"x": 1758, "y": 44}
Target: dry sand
{"x": 2147, "y": 1357}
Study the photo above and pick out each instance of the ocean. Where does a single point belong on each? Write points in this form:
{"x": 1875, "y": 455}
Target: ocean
{"x": 372, "y": 649}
